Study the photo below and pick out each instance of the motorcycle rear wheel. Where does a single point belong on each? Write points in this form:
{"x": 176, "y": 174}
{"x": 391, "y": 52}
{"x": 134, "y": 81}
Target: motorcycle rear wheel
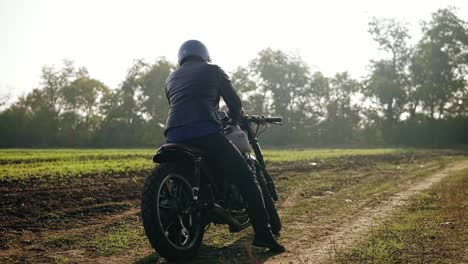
{"x": 172, "y": 224}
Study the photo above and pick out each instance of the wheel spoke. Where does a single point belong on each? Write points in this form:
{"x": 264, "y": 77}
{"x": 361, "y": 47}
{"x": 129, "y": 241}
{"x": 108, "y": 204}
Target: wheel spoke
{"x": 184, "y": 232}
{"x": 175, "y": 215}
{"x": 169, "y": 188}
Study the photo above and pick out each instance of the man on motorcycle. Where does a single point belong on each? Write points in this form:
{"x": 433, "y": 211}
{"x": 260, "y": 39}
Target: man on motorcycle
{"x": 193, "y": 92}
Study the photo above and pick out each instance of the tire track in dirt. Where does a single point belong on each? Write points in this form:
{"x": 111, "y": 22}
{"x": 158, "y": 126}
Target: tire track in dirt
{"x": 348, "y": 233}
{"x": 290, "y": 200}
{"x": 75, "y": 255}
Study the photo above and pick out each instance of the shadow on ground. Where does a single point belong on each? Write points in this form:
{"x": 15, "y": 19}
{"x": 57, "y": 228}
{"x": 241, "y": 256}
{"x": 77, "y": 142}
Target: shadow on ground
{"x": 240, "y": 251}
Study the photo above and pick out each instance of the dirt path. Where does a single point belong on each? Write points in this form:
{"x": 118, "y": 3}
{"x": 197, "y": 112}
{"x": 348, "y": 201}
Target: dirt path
{"x": 347, "y": 233}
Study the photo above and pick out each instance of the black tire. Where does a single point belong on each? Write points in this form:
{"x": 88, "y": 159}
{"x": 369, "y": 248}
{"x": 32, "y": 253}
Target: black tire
{"x": 273, "y": 215}
{"x": 174, "y": 231}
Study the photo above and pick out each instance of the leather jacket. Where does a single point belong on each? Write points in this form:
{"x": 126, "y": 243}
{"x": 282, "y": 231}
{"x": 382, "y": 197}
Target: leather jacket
{"x": 194, "y": 91}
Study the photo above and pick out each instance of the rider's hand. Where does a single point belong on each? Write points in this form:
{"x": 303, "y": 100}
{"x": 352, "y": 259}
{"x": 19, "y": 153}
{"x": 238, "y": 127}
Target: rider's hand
{"x": 236, "y": 116}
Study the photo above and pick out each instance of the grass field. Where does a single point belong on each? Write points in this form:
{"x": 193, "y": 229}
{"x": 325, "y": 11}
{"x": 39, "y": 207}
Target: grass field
{"x": 82, "y": 205}
{"x": 18, "y": 164}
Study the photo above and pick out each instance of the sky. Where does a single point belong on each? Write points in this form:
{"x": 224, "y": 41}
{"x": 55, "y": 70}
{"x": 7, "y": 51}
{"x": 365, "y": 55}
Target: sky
{"x": 107, "y": 36}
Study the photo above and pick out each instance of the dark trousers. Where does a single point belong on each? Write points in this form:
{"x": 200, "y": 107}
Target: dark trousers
{"x": 228, "y": 161}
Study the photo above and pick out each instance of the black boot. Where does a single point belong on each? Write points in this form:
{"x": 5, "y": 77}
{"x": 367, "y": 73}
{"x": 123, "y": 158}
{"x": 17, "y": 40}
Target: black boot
{"x": 266, "y": 239}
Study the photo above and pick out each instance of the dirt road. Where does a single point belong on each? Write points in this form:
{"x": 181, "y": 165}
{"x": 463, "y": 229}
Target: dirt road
{"x": 351, "y": 230}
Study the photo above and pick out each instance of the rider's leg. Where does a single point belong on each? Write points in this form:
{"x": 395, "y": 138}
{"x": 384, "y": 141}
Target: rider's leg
{"x": 227, "y": 160}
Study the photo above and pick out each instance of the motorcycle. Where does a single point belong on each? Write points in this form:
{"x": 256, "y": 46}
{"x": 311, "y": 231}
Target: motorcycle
{"x": 182, "y": 197}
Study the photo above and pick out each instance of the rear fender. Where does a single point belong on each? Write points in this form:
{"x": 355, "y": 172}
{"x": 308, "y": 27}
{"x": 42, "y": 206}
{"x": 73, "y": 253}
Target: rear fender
{"x": 172, "y": 155}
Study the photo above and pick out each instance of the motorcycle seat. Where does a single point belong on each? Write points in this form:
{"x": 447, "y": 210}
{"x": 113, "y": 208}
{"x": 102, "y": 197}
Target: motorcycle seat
{"x": 174, "y": 151}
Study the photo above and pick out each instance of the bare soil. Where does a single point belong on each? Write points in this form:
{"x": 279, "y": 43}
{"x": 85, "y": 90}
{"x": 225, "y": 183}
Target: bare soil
{"x": 34, "y": 209}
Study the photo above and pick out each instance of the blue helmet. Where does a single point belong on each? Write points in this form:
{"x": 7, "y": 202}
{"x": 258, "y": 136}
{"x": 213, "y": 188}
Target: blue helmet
{"x": 193, "y": 48}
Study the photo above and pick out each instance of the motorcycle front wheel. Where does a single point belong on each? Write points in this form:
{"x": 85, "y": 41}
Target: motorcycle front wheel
{"x": 273, "y": 215}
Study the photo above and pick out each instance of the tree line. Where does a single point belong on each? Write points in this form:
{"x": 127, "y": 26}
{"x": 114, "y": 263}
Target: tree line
{"x": 415, "y": 96}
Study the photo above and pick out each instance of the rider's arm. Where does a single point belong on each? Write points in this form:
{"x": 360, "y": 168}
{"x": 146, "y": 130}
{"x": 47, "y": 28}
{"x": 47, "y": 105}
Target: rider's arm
{"x": 229, "y": 94}
{"x": 167, "y": 96}
{"x": 165, "y": 90}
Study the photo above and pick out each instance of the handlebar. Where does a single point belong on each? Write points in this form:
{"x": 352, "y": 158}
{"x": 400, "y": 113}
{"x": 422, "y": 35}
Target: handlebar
{"x": 263, "y": 119}
{"x": 274, "y": 119}
{"x": 257, "y": 119}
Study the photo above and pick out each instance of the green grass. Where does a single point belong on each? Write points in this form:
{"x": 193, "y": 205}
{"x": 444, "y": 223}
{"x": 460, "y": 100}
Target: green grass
{"x": 19, "y": 164}
{"x": 320, "y": 154}
{"x": 111, "y": 240}
{"x": 117, "y": 240}
{"x": 74, "y": 168}
{"x": 61, "y": 241}
{"x": 46, "y": 155}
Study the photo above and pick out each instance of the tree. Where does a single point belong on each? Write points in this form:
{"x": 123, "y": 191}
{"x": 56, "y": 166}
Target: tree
{"x": 15, "y": 126}
{"x": 82, "y": 116}
{"x": 342, "y": 116}
{"x": 136, "y": 112}
{"x": 83, "y": 96}
{"x": 154, "y": 100}
{"x": 390, "y": 97}
{"x": 43, "y": 120}
{"x": 314, "y": 104}
{"x": 152, "y": 81}
{"x": 123, "y": 123}
{"x": 54, "y": 82}
{"x": 284, "y": 78}
{"x": 254, "y": 97}
{"x": 439, "y": 64}
{"x": 392, "y": 37}
{"x": 389, "y": 81}
{"x": 4, "y": 99}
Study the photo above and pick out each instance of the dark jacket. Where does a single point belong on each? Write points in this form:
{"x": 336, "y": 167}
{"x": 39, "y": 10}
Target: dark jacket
{"x": 193, "y": 92}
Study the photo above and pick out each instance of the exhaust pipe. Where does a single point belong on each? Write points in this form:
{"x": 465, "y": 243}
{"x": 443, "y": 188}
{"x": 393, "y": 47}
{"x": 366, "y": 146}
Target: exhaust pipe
{"x": 234, "y": 225}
